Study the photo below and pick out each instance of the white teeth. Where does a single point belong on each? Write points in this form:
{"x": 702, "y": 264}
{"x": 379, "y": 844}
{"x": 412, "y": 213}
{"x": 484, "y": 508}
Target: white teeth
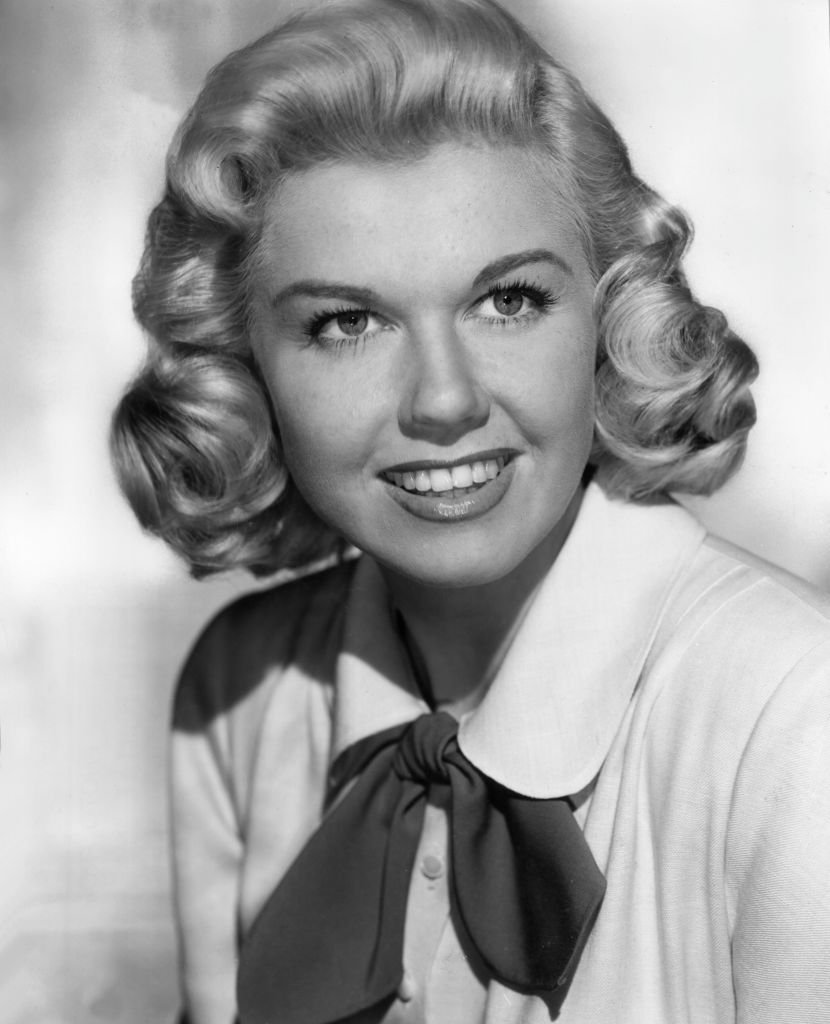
{"x": 441, "y": 480}
{"x": 462, "y": 476}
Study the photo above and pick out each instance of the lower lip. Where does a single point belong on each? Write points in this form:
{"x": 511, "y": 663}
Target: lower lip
{"x": 439, "y": 509}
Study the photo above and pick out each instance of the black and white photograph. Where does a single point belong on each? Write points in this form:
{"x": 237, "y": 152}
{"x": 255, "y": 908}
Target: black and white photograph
{"x": 416, "y": 512}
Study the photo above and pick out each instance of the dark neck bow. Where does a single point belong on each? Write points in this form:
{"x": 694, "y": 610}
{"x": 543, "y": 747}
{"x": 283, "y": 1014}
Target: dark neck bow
{"x": 329, "y": 941}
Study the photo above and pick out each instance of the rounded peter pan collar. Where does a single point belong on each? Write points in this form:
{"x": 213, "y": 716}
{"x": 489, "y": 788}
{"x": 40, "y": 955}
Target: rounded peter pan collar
{"x": 547, "y": 721}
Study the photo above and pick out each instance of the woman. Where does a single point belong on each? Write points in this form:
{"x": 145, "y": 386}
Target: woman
{"x": 546, "y": 750}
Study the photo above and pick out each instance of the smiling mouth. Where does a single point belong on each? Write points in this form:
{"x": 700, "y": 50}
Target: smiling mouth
{"x": 449, "y": 481}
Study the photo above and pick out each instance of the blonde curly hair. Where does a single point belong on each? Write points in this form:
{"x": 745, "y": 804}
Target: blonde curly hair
{"x": 194, "y": 438}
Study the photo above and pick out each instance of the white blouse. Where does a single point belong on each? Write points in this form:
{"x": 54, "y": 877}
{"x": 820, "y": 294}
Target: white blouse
{"x": 675, "y": 687}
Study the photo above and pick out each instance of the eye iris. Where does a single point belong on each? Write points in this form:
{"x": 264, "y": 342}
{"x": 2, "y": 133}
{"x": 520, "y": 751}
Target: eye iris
{"x": 352, "y": 323}
{"x": 509, "y": 302}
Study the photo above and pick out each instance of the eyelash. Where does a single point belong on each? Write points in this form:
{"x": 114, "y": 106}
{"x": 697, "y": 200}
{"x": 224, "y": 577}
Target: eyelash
{"x": 313, "y": 329}
{"x": 543, "y": 298}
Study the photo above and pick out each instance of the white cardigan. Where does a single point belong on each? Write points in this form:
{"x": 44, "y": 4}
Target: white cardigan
{"x": 678, "y": 689}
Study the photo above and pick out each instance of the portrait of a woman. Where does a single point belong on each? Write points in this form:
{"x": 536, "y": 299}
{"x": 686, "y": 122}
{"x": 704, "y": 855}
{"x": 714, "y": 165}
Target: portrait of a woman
{"x": 513, "y": 739}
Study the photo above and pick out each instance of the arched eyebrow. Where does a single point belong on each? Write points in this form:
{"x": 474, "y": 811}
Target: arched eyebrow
{"x": 319, "y": 289}
{"x": 504, "y": 264}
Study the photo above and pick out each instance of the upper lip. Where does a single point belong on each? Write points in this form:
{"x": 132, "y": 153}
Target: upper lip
{"x": 463, "y": 460}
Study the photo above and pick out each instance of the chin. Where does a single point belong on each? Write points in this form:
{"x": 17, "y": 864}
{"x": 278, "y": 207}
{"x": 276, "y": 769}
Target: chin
{"x": 456, "y": 570}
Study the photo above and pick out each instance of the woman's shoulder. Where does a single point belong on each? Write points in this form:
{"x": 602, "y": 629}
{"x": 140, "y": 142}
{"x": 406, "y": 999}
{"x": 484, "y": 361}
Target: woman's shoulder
{"x": 729, "y": 591}
{"x": 742, "y": 656}
{"x": 248, "y": 643}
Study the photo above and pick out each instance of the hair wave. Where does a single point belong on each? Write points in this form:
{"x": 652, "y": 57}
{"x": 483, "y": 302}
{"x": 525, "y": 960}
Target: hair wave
{"x": 194, "y": 438}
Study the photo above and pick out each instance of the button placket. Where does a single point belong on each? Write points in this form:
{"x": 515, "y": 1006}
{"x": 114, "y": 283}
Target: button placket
{"x": 427, "y": 915}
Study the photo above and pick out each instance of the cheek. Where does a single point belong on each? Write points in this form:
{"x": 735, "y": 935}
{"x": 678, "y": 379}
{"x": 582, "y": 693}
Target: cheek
{"x": 308, "y": 431}
{"x": 298, "y": 409}
{"x": 312, "y": 454}
{"x": 326, "y": 402}
{"x": 556, "y": 399}
{"x": 323, "y": 442}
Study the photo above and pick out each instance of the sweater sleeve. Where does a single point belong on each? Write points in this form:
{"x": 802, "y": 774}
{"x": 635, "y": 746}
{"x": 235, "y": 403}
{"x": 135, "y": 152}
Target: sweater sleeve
{"x": 207, "y": 842}
{"x": 778, "y": 855}
{"x": 266, "y": 658}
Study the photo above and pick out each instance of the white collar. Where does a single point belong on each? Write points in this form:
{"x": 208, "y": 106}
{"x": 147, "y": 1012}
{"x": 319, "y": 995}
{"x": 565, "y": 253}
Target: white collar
{"x": 547, "y": 721}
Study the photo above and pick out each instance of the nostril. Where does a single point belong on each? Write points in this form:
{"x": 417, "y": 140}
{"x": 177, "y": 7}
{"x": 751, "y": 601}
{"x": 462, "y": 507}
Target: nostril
{"x": 447, "y": 411}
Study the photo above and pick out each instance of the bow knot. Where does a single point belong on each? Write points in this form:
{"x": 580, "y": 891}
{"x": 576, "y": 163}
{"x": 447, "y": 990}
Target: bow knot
{"x": 420, "y": 754}
{"x": 328, "y": 944}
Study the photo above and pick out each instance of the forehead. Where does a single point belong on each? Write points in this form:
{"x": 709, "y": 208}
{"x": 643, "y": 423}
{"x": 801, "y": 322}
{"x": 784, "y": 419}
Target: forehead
{"x": 449, "y": 212}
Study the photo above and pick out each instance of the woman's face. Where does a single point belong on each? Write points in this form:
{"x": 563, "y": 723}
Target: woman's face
{"x": 426, "y": 336}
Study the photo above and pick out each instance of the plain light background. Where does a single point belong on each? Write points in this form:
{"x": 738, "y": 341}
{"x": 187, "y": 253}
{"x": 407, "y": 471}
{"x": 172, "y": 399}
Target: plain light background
{"x": 724, "y": 104}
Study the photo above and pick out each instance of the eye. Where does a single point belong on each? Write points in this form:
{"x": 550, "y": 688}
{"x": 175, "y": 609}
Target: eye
{"x": 508, "y": 302}
{"x": 341, "y": 326}
{"x": 514, "y": 302}
{"x": 353, "y": 323}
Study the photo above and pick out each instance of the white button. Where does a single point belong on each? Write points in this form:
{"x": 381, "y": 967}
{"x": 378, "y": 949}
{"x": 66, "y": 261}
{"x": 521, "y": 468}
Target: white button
{"x": 407, "y": 988}
{"x": 432, "y": 866}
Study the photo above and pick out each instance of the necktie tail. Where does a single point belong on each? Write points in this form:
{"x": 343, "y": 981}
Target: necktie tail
{"x": 525, "y": 864}
{"x": 327, "y": 943}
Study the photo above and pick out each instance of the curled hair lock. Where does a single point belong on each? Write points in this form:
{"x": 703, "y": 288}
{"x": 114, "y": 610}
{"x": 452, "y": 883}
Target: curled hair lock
{"x": 673, "y": 405}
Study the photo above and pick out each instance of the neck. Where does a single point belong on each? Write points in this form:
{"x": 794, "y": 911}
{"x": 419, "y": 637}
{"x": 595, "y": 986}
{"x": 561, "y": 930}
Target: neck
{"x": 458, "y": 636}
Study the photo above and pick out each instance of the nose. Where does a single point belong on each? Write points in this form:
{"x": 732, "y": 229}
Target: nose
{"x": 442, "y": 399}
